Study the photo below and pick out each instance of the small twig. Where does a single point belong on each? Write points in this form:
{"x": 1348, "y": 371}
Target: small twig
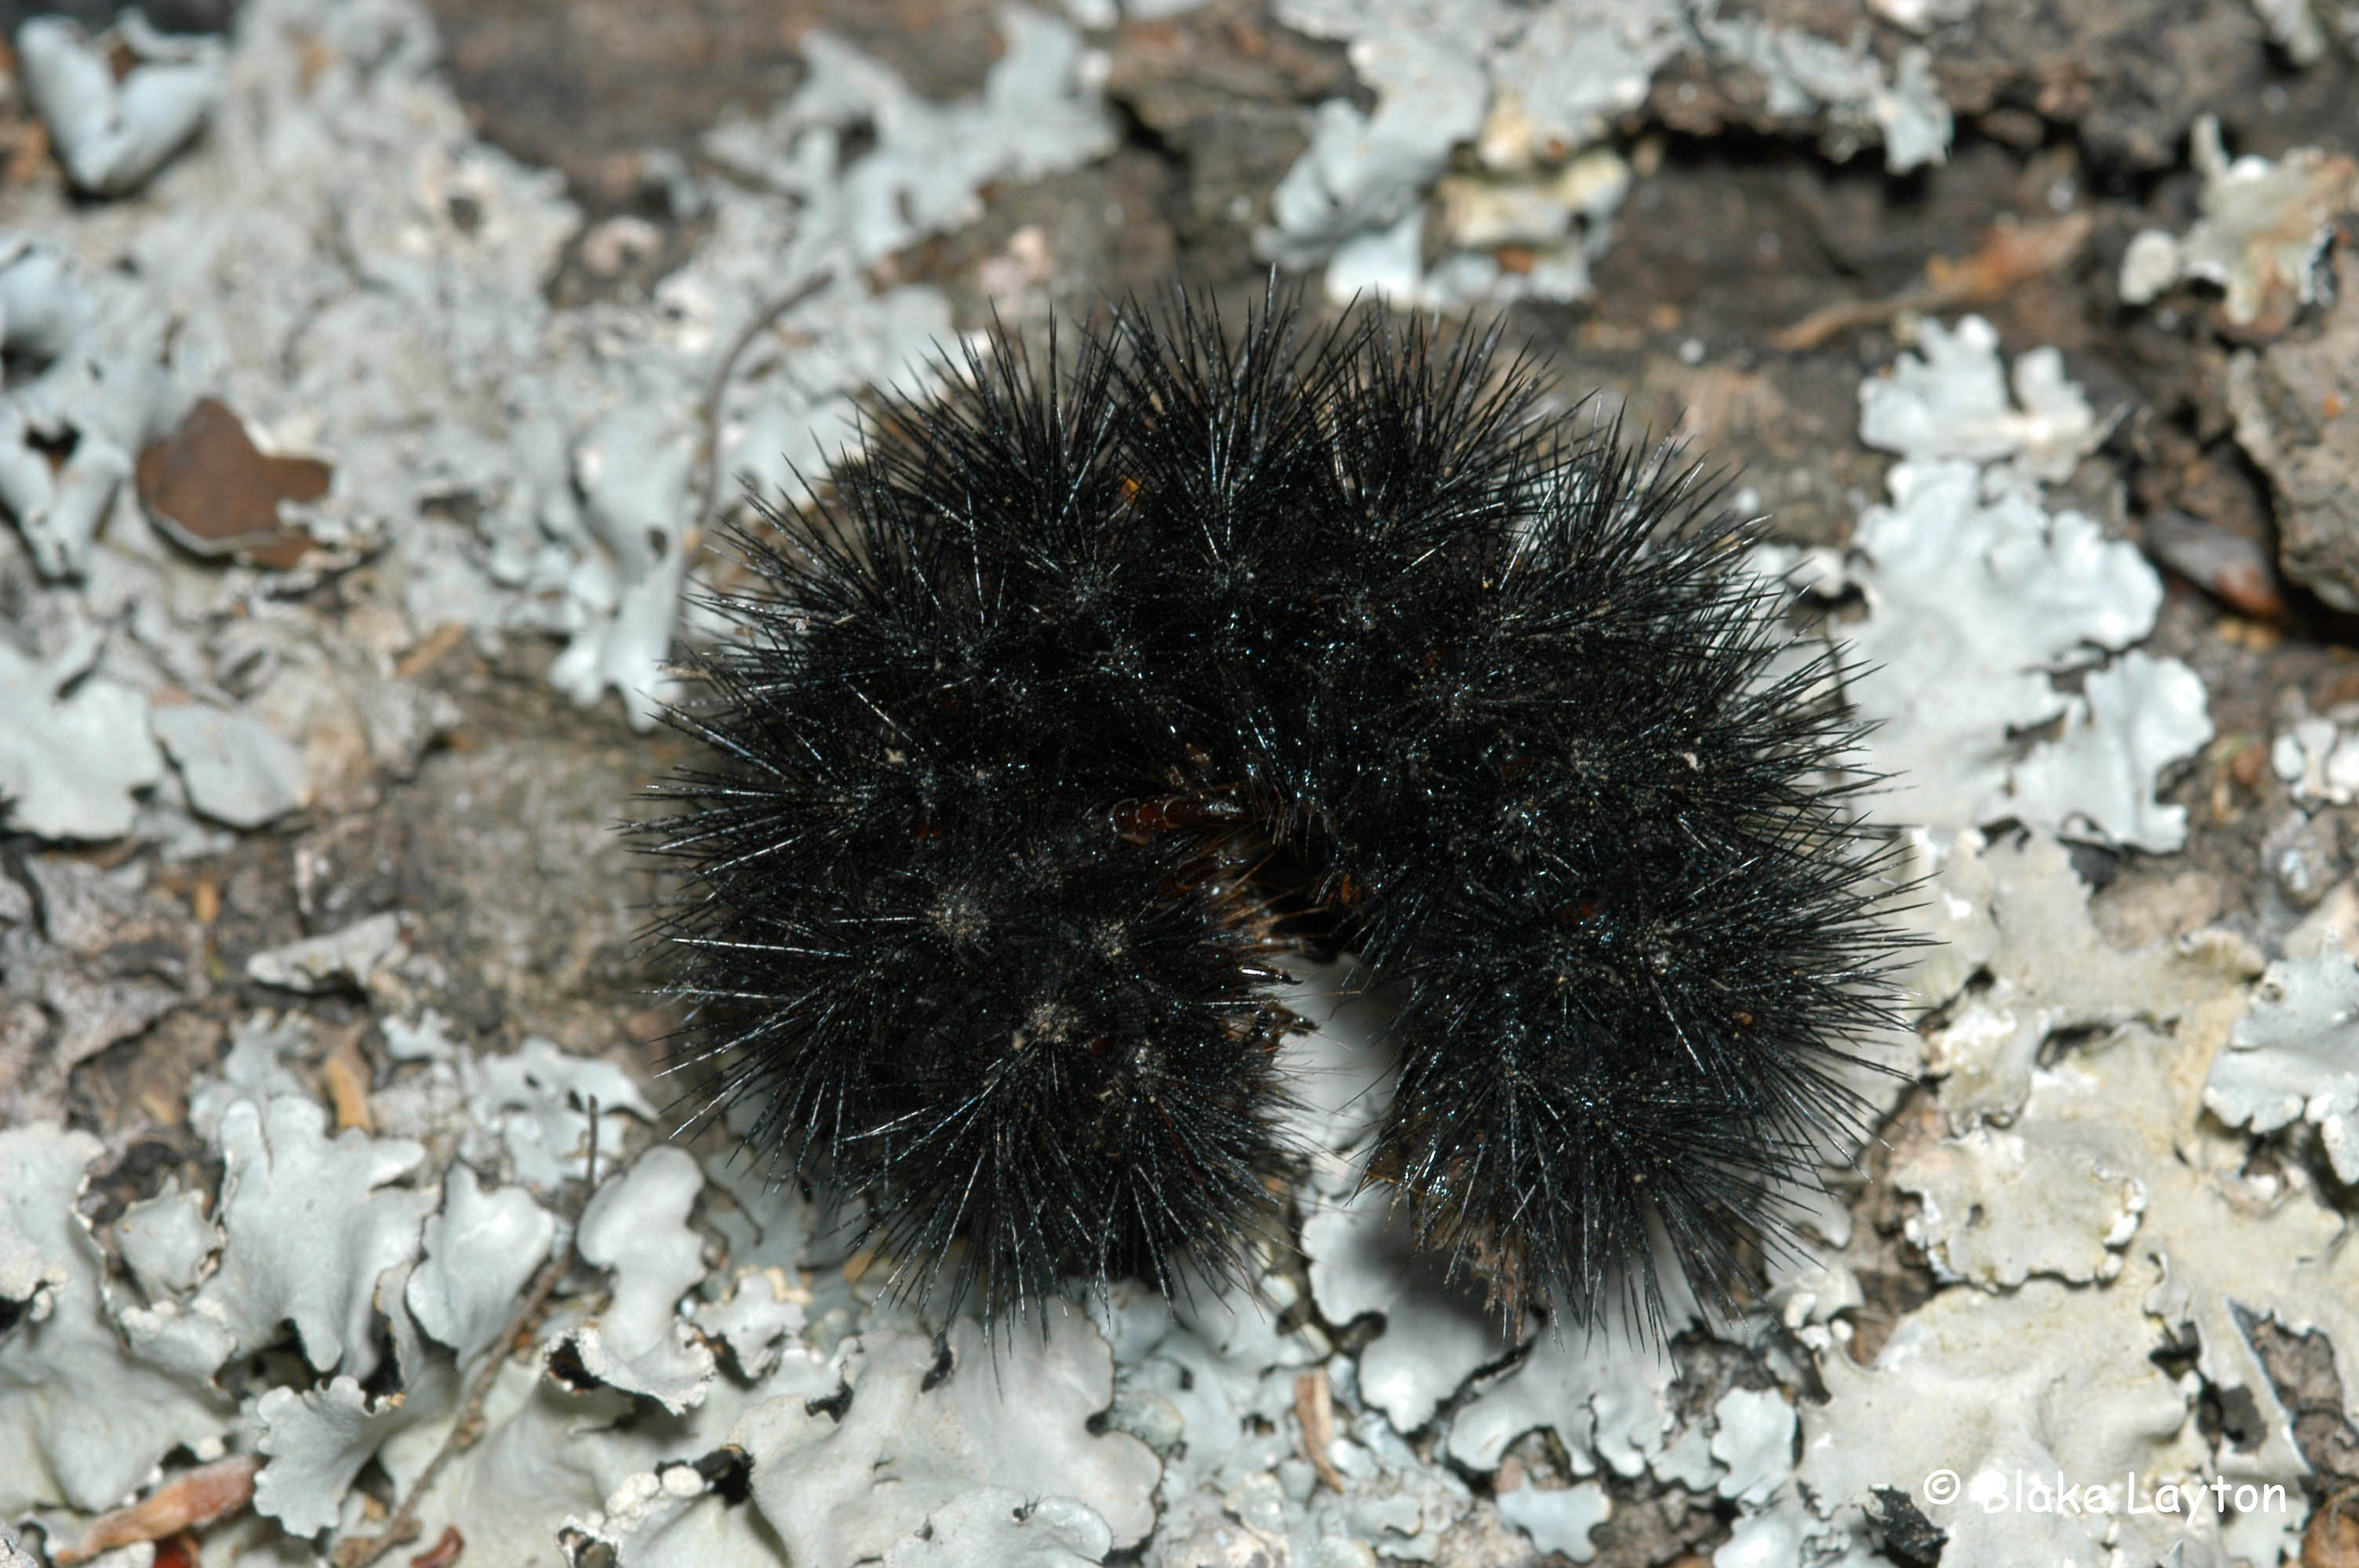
{"x": 763, "y": 318}
{"x": 590, "y": 1161}
{"x": 359, "y": 1551}
{"x": 428, "y": 653}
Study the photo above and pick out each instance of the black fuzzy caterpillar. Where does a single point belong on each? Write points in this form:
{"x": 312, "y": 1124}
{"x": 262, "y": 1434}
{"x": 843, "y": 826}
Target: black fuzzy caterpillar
{"x": 1091, "y": 685}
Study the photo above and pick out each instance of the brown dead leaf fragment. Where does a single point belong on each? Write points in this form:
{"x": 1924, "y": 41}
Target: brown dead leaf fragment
{"x": 209, "y": 487}
{"x": 2010, "y": 254}
{"x": 24, "y": 151}
{"x": 2237, "y": 568}
{"x": 2331, "y": 1539}
{"x": 1314, "y": 1410}
{"x": 194, "y": 1498}
{"x": 347, "y": 1074}
{"x": 444, "y": 1552}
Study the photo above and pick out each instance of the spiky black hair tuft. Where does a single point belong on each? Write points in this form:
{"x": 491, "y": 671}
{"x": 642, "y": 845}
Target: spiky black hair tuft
{"x": 1093, "y": 682}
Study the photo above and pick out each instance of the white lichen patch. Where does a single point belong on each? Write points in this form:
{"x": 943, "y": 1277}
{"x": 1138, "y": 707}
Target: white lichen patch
{"x": 1973, "y": 1389}
{"x": 1950, "y": 400}
{"x": 1602, "y": 1396}
{"x": 1753, "y": 1438}
{"x": 761, "y": 1316}
{"x": 2266, "y": 224}
{"x": 349, "y": 959}
{"x": 1038, "y": 113}
{"x": 2134, "y": 721}
{"x": 1842, "y": 85}
{"x": 1558, "y": 1520}
{"x": 253, "y": 1070}
{"x": 1437, "y": 1333}
{"x": 2081, "y": 1211}
{"x": 311, "y": 1222}
{"x": 926, "y": 1423}
{"x": 1977, "y": 594}
{"x": 1357, "y": 195}
{"x": 74, "y": 751}
{"x": 2295, "y": 1057}
{"x": 2318, "y": 762}
{"x": 533, "y": 1105}
{"x": 2107, "y": 1172}
{"x": 481, "y": 1250}
{"x": 166, "y": 1240}
{"x": 637, "y": 1226}
{"x": 112, "y": 129}
{"x": 316, "y": 1440}
{"x": 1531, "y": 91}
{"x": 664, "y": 1517}
{"x": 104, "y": 388}
{"x": 2048, "y": 970}
{"x": 237, "y": 770}
{"x": 995, "y": 1527}
{"x": 1488, "y": 138}
{"x": 82, "y": 1421}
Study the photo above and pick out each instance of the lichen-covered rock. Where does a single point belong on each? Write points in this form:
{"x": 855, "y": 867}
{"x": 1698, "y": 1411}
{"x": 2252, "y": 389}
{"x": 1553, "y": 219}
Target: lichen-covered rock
{"x": 311, "y": 1223}
{"x": 2019, "y": 914}
{"x": 1976, "y": 593}
{"x": 638, "y": 1226}
{"x": 81, "y": 1421}
{"x": 316, "y": 1440}
{"x": 920, "y": 1425}
{"x": 113, "y": 127}
{"x": 1437, "y": 1332}
{"x": 2210, "y": 1245}
{"x": 1974, "y": 1389}
{"x": 104, "y": 388}
{"x": 110, "y": 957}
{"x": 482, "y": 1249}
{"x": 2295, "y": 1057}
{"x": 2265, "y": 222}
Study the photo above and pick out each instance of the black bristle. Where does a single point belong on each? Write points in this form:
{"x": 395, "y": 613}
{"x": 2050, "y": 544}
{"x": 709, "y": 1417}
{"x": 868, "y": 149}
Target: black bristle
{"x": 1092, "y": 682}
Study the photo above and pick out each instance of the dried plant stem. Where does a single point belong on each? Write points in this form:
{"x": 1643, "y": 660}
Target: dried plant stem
{"x": 710, "y": 490}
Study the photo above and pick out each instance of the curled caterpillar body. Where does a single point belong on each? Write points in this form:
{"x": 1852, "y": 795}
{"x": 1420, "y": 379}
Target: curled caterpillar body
{"x": 1093, "y": 684}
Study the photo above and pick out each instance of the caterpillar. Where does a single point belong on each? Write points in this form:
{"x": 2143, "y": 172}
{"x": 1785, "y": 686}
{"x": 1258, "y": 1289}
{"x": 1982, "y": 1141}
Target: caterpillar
{"x": 1095, "y": 681}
